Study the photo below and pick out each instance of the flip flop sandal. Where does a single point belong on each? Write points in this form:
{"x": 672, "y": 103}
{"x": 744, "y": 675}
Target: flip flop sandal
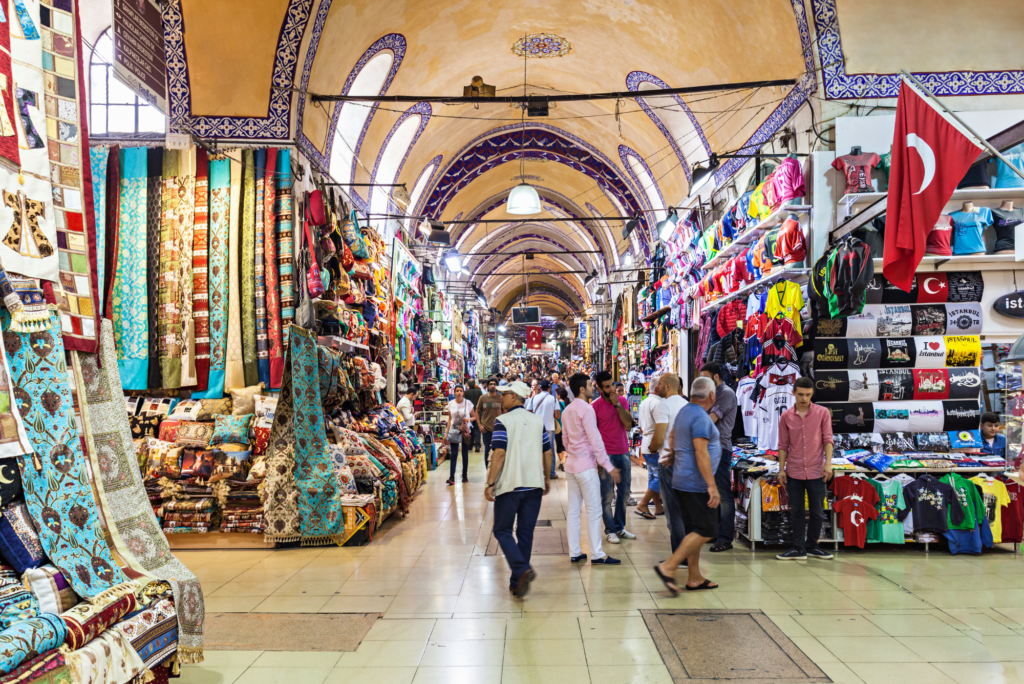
{"x": 706, "y": 584}
{"x": 645, "y": 514}
{"x": 718, "y": 548}
{"x": 669, "y": 583}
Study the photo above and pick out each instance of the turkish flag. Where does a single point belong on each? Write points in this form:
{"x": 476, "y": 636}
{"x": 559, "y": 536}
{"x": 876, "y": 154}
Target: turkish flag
{"x": 929, "y": 157}
{"x": 932, "y": 288}
{"x": 534, "y": 336}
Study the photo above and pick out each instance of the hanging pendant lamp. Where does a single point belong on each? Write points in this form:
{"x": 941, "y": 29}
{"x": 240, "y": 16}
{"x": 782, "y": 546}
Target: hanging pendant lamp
{"x": 523, "y": 200}
{"x": 435, "y": 336}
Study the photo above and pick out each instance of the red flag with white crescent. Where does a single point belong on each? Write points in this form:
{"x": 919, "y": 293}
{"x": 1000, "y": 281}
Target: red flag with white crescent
{"x": 534, "y": 336}
{"x": 929, "y": 157}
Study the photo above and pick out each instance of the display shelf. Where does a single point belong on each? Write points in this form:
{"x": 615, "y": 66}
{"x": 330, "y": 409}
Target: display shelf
{"x": 991, "y": 261}
{"x": 753, "y": 234}
{"x": 797, "y": 275}
{"x": 650, "y": 318}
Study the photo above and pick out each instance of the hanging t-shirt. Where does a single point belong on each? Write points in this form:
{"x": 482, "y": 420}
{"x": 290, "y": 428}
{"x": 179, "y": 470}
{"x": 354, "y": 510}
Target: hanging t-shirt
{"x": 898, "y": 352}
{"x": 977, "y": 176}
{"x": 898, "y": 442}
{"x": 929, "y": 319}
{"x": 785, "y": 297}
{"x": 864, "y": 324}
{"x": 968, "y": 227}
{"x": 931, "y": 352}
{"x": 960, "y": 415}
{"x": 894, "y": 320}
{"x": 965, "y": 286}
{"x": 864, "y": 385}
{"x": 885, "y": 165}
{"x": 777, "y": 385}
{"x": 936, "y": 442}
{"x": 852, "y": 417}
{"x": 929, "y": 500}
{"x": 894, "y": 295}
{"x": 788, "y": 180}
{"x": 748, "y": 408}
{"x": 940, "y": 237}
{"x": 1013, "y": 514}
{"x": 926, "y": 416}
{"x": 791, "y": 245}
{"x": 891, "y": 416}
{"x": 970, "y": 499}
{"x": 895, "y": 385}
{"x": 934, "y": 288}
{"x": 855, "y": 512}
{"x": 890, "y": 503}
{"x": 963, "y": 350}
{"x": 996, "y": 498}
{"x": 857, "y": 170}
{"x": 964, "y": 383}
{"x": 1005, "y": 176}
{"x": 831, "y": 386}
{"x": 1005, "y": 224}
{"x": 963, "y": 319}
{"x": 931, "y": 383}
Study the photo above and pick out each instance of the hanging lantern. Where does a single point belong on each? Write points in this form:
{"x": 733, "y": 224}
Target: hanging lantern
{"x": 523, "y": 201}
{"x": 435, "y": 336}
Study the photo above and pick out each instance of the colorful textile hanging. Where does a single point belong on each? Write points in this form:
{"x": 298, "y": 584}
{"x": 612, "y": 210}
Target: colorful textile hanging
{"x": 186, "y": 236}
{"x": 200, "y": 281}
{"x": 168, "y": 314}
{"x": 281, "y": 521}
{"x": 131, "y": 523}
{"x": 247, "y": 267}
{"x": 259, "y": 267}
{"x": 129, "y": 292}
{"x": 13, "y": 437}
{"x": 70, "y": 173}
{"x": 107, "y": 658}
{"x": 154, "y": 219}
{"x": 112, "y": 223}
{"x": 99, "y": 162}
{"x": 48, "y": 668}
{"x": 28, "y": 638}
{"x": 217, "y": 264}
{"x": 285, "y": 247}
{"x": 55, "y": 481}
{"x": 270, "y": 271}
{"x": 8, "y": 133}
{"x": 320, "y": 509}
{"x": 234, "y": 370}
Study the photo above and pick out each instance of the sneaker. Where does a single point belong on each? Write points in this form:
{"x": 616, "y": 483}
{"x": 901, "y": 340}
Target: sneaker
{"x": 792, "y": 554}
{"x": 607, "y": 560}
{"x": 612, "y": 538}
{"x": 450, "y": 482}
{"x": 819, "y": 553}
{"x": 625, "y": 534}
{"x": 631, "y": 502}
{"x": 465, "y": 478}
{"x": 554, "y": 476}
{"x": 582, "y": 558}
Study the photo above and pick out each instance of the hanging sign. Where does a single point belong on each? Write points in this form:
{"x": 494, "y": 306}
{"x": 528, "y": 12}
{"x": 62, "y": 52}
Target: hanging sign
{"x": 139, "y": 60}
{"x": 1011, "y": 305}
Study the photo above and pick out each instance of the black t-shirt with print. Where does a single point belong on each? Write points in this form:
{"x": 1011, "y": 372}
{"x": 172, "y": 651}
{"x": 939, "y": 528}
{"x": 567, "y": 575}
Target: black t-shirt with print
{"x": 1005, "y": 224}
{"x": 964, "y": 383}
{"x": 965, "y": 286}
{"x": 864, "y": 353}
{"x": 874, "y": 290}
{"x": 830, "y": 354}
{"x": 898, "y": 442}
{"x": 852, "y": 417}
{"x": 894, "y": 295}
{"x": 935, "y": 442}
{"x": 898, "y": 352}
{"x": 831, "y": 385}
{"x": 929, "y": 319}
{"x": 895, "y": 385}
{"x": 963, "y": 414}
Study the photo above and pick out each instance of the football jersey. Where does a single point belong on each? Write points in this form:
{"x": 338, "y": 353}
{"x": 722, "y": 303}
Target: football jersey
{"x": 786, "y": 298}
{"x": 776, "y": 396}
{"x": 745, "y": 395}
{"x": 791, "y": 247}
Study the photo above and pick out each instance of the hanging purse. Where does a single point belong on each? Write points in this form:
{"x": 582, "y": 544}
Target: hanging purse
{"x": 314, "y": 283}
{"x": 354, "y": 238}
{"x": 361, "y": 270}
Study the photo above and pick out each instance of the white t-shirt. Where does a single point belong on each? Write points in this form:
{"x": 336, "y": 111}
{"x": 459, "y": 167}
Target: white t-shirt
{"x": 777, "y": 382}
{"x": 405, "y": 408}
{"x": 666, "y": 412}
{"x": 459, "y": 412}
{"x": 647, "y": 408}
{"x": 748, "y": 408}
{"x": 543, "y": 405}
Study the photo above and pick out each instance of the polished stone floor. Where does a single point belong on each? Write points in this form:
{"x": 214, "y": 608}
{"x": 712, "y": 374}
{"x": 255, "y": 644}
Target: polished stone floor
{"x": 892, "y": 615}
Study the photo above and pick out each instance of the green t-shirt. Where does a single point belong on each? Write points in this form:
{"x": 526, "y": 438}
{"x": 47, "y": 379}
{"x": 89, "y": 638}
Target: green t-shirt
{"x": 970, "y": 501}
{"x": 887, "y": 528}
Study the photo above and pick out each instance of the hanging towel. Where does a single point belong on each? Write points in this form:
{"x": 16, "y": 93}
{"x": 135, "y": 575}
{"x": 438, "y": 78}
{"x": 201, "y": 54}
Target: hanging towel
{"x": 247, "y": 265}
{"x": 186, "y": 237}
{"x": 285, "y": 247}
{"x": 98, "y": 162}
{"x": 130, "y": 288}
{"x": 168, "y": 314}
{"x": 271, "y": 270}
{"x": 200, "y": 282}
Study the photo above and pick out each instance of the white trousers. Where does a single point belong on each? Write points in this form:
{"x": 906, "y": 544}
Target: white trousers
{"x": 585, "y": 487}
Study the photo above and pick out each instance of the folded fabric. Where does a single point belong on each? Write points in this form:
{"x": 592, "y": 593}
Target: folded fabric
{"x": 28, "y": 638}
{"x": 153, "y": 632}
{"x": 51, "y": 589}
{"x": 85, "y": 621}
{"x": 19, "y": 540}
{"x": 189, "y": 505}
{"x": 229, "y": 429}
{"x": 107, "y": 658}
{"x": 48, "y": 668}
{"x": 194, "y": 434}
{"x": 214, "y": 407}
{"x": 16, "y": 604}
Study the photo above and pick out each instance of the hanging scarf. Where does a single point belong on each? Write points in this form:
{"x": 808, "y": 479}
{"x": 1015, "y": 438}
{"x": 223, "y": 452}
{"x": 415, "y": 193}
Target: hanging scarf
{"x": 285, "y": 246}
{"x": 129, "y": 292}
{"x": 262, "y": 341}
{"x": 98, "y": 161}
{"x": 320, "y": 510}
{"x": 270, "y": 271}
{"x": 281, "y": 521}
{"x": 234, "y": 371}
{"x": 131, "y": 524}
{"x": 169, "y": 314}
{"x": 55, "y": 481}
{"x": 220, "y": 205}
{"x": 200, "y": 282}
{"x": 154, "y": 219}
{"x": 112, "y": 223}
{"x": 186, "y": 237}
{"x": 248, "y": 274}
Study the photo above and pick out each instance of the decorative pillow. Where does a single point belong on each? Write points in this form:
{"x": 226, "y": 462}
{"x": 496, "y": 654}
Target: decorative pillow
{"x": 260, "y": 440}
{"x": 214, "y": 407}
{"x": 157, "y": 407}
{"x": 133, "y": 404}
{"x": 169, "y": 430}
{"x": 187, "y": 410}
{"x": 144, "y": 426}
{"x": 164, "y": 460}
{"x": 259, "y": 468}
{"x": 10, "y": 482}
{"x": 231, "y": 429}
{"x": 197, "y": 463}
{"x": 86, "y": 620}
{"x": 52, "y": 590}
{"x": 230, "y": 465}
{"x": 16, "y": 604}
{"x": 194, "y": 435}
{"x": 243, "y": 399}
{"x": 19, "y": 541}
{"x": 346, "y": 480}
{"x": 227, "y": 446}
{"x": 265, "y": 406}
{"x": 151, "y": 633}
{"x": 362, "y": 467}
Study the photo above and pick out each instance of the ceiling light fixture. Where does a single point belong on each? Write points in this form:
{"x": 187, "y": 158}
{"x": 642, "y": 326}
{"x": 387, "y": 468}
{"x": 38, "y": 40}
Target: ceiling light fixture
{"x": 446, "y": 344}
{"x": 523, "y": 200}
{"x": 590, "y": 278}
{"x": 631, "y": 225}
{"x": 668, "y": 226}
{"x": 627, "y": 260}
{"x": 453, "y": 261}
{"x": 480, "y": 298}
{"x": 435, "y": 336}
{"x": 502, "y": 328}
{"x": 702, "y": 174}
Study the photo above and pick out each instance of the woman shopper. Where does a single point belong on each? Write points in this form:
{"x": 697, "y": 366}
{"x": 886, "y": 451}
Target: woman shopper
{"x": 461, "y": 414}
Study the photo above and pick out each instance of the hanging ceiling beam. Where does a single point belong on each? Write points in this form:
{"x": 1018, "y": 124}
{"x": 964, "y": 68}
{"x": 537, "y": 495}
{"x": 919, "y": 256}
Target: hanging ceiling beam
{"x": 579, "y": 97}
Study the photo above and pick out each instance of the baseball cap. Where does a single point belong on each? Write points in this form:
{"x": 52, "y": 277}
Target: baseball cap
{"x": 545, "y": 385}
{"x": 518, "y": 387}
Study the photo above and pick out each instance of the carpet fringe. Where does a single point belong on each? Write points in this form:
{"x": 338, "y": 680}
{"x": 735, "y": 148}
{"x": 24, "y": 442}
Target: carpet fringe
{"x": 190, "y": 656}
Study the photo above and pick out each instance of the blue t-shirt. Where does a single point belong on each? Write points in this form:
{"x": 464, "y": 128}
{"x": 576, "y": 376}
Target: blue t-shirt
{"x": 693, "y": 422}
{"x": 968, "y": 227}
{"x": 1005, "y": 177}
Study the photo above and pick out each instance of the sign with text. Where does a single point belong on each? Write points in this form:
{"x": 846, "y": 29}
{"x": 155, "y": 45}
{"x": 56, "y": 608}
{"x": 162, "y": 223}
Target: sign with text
{"x": 139, "y": 60}
{"x": 1010, "y": 305}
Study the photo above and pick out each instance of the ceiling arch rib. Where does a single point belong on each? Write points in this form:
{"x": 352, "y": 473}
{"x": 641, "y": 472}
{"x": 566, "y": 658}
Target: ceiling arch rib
{"x": 418, "y": 187}
{"x": 574, "y": 281}
{"x": 642, "y": 176}
{"x": 392, "y": 156}
{"x": 517, "y": 241}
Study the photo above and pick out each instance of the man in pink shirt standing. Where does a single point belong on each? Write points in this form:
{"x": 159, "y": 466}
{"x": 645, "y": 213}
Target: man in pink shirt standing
{"x": 805, "y": 465}
{"x": 613, "y": 422}
{"x": 584, "y": 449}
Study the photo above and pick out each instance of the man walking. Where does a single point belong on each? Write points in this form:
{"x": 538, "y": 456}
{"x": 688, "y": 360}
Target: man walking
{"x": 584, "y": 449}
{"x": 546, "y": 406}
{"x": 556, "y": 384}
{"x": 723, "y": 415}
{"x": 614, "y": 422}
{"x": 647, "y": 425}
{"x": 473, "y": 393}
{"x": 516, "y": 481}
{"x": 670, "y": 388}
{"x": 487, "y": 411}
{"x": 805, "y": 465}
{"x": 696, "y": 453}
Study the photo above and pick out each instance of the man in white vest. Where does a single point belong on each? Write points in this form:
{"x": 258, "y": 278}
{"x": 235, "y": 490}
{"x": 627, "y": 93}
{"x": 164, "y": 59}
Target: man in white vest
{"x": 517, "y": 479}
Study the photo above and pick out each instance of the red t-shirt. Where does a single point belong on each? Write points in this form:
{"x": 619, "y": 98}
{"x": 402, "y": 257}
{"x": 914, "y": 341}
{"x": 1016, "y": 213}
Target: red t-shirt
{"x": 1013, "y": 514}
{"x": 857, "y": 170}
{"x": 790, "y": 246}
{"x": 940, "y": 237}
{"x": 780, "y": 326}
{"x": 855, "y": 514}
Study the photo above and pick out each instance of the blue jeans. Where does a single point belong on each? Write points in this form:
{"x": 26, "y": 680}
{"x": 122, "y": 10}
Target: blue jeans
{"x": 673, "y": 514}
{"x": 487, "y": 434}
{"x": 615, "y": 522}
{"x": 554, "y": 454}
{"x": 519, "y": 509}
{"x": 727, "y": 509}
{"x": 653, "y": 483}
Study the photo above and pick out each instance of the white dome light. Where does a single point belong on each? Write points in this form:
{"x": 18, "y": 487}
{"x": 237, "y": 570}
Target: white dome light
{"x": 435, "y": 336}
{"x": 523, "y": 201}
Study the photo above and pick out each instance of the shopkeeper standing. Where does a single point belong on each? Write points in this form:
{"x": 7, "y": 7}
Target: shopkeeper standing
{"x": 461, "y": 413}
{"x": 405, "y": 407}
{"x": 992, "y": 443}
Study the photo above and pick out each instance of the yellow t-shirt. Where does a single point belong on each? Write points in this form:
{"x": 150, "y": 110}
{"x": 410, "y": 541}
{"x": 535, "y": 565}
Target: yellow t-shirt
{"x": 758, "y": 206}
{"x": 995, "y": 496}
{"x": 963, "y": 350}
{"x": 786, "y": 298}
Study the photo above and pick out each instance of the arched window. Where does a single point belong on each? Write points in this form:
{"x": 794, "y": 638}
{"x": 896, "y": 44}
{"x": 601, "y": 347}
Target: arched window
{"x": 641, "y": 174}
{"x": 354, "y": 115}
{"x": 113, "y": 106}
{"x": 421, "y": 185}
{"x": 393, "y": 154}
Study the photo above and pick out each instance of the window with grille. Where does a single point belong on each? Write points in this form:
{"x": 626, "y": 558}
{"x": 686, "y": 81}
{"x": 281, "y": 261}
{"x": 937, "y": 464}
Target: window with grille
{"x": 113, "y": 107}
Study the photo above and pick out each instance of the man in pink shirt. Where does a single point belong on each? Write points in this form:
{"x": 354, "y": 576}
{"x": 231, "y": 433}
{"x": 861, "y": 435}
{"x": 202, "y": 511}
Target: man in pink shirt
{"x": 805, "y": 465}
{"x": 584, "y": 449}
{"x": 614, "y": 421}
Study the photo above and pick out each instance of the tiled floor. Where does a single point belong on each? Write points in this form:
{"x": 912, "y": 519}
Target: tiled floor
{"x": 893, "y": 615}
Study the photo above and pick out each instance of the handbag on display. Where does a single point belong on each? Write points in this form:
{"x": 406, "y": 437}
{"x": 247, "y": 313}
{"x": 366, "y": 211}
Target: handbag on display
{"x": 314, "y": 282}
{"x": 315, "y": 208}
{"x": 361, "y": 270}
{"x": 354, "y": 237}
